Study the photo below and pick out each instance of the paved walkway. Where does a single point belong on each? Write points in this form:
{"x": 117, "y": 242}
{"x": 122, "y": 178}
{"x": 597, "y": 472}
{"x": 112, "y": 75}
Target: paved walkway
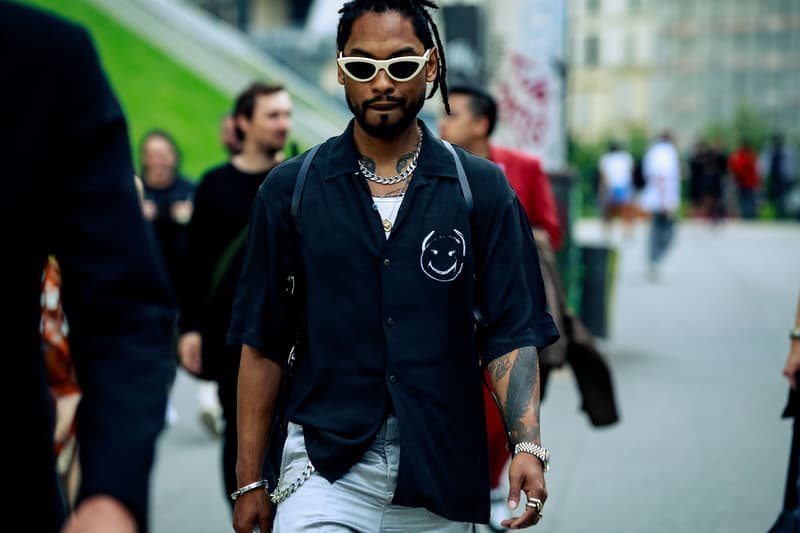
{"x": 696, "y": 361}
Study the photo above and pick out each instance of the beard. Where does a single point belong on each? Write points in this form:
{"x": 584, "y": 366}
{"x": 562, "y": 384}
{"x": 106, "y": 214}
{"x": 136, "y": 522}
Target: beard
{"x": 385, "y": 129}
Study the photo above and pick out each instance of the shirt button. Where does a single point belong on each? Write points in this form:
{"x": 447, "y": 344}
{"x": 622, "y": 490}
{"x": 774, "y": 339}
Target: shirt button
{"x": 392, "y": 379}
{"x": 386, "y": 262}
{"x": 390, "y": 321}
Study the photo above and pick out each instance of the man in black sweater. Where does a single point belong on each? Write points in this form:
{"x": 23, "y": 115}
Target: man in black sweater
{"x": 215, "y": 248}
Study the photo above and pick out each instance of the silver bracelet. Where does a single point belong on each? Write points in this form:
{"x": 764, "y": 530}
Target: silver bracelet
{"x": 247, "y": 488}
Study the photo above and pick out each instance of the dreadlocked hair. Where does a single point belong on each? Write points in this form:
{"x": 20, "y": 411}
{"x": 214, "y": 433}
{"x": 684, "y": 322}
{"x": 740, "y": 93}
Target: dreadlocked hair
{"x": 424, "y": 27}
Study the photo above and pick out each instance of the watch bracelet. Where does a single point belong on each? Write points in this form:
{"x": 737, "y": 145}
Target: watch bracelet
{"x": 540, "y": 452}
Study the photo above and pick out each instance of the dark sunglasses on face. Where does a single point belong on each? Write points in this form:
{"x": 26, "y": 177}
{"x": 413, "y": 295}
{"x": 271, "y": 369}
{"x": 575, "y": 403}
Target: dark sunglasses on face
{"x": 401, "y": 68}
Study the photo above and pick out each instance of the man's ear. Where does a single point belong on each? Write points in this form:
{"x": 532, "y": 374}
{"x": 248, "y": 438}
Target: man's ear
{"x": 483, "y": 126}
{"x": 432, "y": 66}
{"x": 242, "y": 122}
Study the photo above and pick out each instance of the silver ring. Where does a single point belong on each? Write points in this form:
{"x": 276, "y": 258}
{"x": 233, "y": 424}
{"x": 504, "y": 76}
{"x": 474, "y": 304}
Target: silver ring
{"x": 535, "y": 503}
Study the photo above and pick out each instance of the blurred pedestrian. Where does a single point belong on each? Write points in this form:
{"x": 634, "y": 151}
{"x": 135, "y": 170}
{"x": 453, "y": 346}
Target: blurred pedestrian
{"x": 470, "y": 123}
{"x": 661, "y": 197}
{"x": 615, "y": 190}
{"x": 168, "y": 198}
{"x": 68, "y": 192}
{"x": 167, "y": 204}
{"x": 215, "y": 250}
{"x": 778, "y": 163}
{"x": 386, "y": 260}
{"x": 743, "y": 164}
{"x": 789, "y": 519}
{"x": 707, "y": 169}
{"x": 210, "y": 410}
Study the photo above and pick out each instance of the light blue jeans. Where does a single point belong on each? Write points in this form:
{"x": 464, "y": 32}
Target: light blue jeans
{"x": 360, "y": 501}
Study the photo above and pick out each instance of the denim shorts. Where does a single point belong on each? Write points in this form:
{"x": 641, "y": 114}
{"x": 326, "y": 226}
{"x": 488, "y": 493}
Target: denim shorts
{"x": 361, "y": 500}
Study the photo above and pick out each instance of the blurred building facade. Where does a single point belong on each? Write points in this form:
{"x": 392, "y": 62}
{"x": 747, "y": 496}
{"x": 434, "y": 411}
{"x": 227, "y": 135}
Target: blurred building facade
{"x": 719, "y": 55}
{"x": 258, "y": 16}
{"x": 611, "y": 66}
{"x": 681, "y": 65}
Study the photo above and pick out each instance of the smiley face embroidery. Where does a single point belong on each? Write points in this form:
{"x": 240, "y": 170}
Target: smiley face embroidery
{"x": 442, "y": 257}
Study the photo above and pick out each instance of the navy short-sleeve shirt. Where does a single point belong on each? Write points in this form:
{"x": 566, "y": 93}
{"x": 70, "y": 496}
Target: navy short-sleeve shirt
{"x": 390, "y": 321}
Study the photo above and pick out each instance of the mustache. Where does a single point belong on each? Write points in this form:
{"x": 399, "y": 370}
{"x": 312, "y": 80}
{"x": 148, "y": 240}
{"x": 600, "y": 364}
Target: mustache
{"x": 383, "y": 100}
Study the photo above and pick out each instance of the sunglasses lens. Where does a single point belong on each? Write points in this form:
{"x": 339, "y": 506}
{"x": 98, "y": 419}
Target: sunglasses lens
{"x": 403, "y": 69}
{"x": 361, "y": 70}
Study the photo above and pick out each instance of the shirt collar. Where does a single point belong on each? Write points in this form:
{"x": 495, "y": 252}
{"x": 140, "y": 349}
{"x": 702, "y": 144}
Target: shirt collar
{"x": 435, "y": 159}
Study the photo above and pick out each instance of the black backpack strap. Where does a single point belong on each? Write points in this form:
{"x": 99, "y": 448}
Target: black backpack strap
{"x": 301, "y": 180}
{"x": 297, "y": 195}
{"x": 468, "y": 199}
{"x": 462, "y": 180}
{"x": 467, "y": 192}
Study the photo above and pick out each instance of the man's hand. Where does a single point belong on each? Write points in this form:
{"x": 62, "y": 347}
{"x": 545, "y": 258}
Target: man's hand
{"x": 149, "y": 210}
{"x": 526, "y": 474}
{"x": 100, "y": 514}
{"x": 251, "y": 509}
{"x": 181, "y": 212}
{"x": 190, "y": 349}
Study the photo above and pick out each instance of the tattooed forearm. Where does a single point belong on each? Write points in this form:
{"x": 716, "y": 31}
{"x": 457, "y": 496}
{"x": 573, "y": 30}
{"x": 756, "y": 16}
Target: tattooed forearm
{"x": 403, "y": 162}
{"x": 515, "y": 377}
{"x": 499, "y": 368}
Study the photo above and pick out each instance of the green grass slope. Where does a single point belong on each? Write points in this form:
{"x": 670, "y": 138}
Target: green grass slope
{"x": 154, "y": 90}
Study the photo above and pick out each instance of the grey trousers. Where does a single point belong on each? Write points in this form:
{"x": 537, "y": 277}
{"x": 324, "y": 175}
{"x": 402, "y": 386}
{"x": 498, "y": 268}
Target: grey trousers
{"x": 360, "y": 501}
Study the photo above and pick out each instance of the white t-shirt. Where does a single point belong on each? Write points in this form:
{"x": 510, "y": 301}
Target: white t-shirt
{"x": 662, "y": 173}
{"x": 388, "y": 208}
{"x": 617, "y": 169}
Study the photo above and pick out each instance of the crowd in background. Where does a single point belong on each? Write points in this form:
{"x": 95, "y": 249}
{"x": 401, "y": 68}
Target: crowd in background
{"x": 717, "y": 183}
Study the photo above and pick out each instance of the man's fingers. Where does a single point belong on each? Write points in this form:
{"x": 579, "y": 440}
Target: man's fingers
{"x": 515, "y": 487}
{"x": 529, "y": 518}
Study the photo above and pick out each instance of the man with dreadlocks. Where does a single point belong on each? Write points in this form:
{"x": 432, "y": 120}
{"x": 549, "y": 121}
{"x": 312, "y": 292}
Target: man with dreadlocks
{"x": 390, "y": 264}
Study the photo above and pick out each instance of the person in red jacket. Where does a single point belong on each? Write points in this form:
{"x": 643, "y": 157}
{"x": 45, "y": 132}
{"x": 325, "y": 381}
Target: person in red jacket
{"x": 473, "y": 113}
{"x": 743, "y": 165}
{"x": 472, "y": 118}
{"x": 470, "y": 124}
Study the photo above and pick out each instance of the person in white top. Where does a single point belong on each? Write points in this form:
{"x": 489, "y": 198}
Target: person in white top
{"x": 616, "y": 186}
{"x": 661, "y": 196}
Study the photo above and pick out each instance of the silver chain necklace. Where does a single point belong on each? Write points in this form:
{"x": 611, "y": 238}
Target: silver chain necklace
{"x": 371, "y": 176}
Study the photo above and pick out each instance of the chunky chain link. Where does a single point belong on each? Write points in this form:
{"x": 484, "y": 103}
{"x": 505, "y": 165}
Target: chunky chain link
{"x": 281, "y": 493}
{"x": 368, "y": 174}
